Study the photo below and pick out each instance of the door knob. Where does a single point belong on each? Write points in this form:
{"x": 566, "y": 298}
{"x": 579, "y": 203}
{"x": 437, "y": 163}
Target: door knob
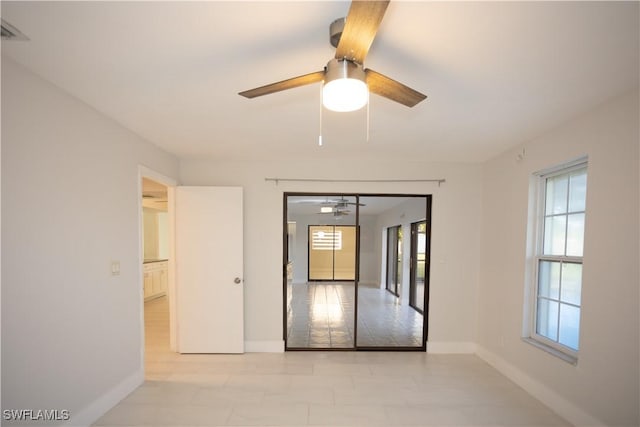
{"x": 237, "y": 280}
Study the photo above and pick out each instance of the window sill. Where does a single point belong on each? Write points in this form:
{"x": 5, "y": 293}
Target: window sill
{"x": 555, "y": 352}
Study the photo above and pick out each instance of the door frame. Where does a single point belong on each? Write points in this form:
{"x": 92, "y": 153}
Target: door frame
{"x": 170, "y": 183}
{"x": 428, "y": 218}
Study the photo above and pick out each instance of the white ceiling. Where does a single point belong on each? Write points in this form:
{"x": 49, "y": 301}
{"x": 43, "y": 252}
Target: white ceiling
{"x": 497, "y": 74}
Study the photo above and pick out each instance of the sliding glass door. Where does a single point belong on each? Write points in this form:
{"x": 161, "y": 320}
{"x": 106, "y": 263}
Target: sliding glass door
{"x": 320, "y": 312}
{"x": 349, "y": 273}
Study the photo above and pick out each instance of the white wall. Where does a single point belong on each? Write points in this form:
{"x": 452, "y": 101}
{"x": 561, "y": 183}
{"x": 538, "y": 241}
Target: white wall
{"x": 456, "y": 220}
{"x": 71, "y": 332}
{"x": 603, "y": 386}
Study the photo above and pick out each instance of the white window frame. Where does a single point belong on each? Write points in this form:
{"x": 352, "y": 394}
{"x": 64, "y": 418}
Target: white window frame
{"x": 566, "y": 353}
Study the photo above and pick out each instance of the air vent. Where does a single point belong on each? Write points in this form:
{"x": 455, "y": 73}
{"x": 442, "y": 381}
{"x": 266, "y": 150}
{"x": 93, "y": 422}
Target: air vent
{"x": 9, "y": 32}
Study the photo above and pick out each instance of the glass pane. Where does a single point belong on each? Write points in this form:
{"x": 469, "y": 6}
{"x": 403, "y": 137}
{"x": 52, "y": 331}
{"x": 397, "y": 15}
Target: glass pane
{"x": 575, "y": 234}
{"x": 384, "y": 319}
{"x": 549, "y": 279}
{"x": 320, "y": 308}
{"x": 554, "y": 235}
{"x": 321, "y": 243}
{"x": 571, "y": 283}
{"x": 556, "y": 192}
{"x": 344, "y": 254}
{"x": 547, "y": 319}
{"x": 569, "y": 326}
{"x": 578, "y": 191}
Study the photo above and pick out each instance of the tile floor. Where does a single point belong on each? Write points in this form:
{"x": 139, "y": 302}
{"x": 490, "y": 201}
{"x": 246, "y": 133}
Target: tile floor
{"x": 320, "y": 388}
{"x": 321, "y": 315}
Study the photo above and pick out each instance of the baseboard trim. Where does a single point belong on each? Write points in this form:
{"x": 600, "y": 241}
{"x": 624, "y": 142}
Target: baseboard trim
{"x": 108, "y": 400}
{"x": 557, "y": 403}
{"x": 450, "y": 347}
{"x": 264, "y": 346}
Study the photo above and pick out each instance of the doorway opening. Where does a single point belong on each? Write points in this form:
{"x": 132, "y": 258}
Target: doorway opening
{"x": 350, "y": 279}
{"x": 156, "y": 218}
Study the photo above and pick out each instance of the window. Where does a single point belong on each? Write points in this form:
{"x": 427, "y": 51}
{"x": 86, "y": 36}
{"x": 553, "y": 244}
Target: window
{"x": 326, "y": 240}
{"x": 558, "y": 262}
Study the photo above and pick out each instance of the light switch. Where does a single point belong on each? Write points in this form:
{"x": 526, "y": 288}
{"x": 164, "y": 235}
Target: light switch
{"x": 115, "y": 268}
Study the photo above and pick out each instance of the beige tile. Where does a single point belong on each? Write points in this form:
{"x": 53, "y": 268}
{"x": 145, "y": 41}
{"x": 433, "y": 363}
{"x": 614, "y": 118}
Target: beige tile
{"x": 377, "y": 381}
{"x": 259, "y": 382}
{"x": 329, "y": 368}
{"x": 227, "y": 396}
{"x": 199, "y": 378}
{"x": 301, "y": 395}
{"x": 490, "y": 415}
{"x": 322, "y": 388}
{"x": 162, "y": 392}
{"x": 281, "y": 367}
{"x": 193, "y": 415}
{"x": 269, "y": 415}
{"x": 347, "y": 415}
{"x": 433, "y": 415}
{"x": 373, "y": 396}
{"x": 125, "y": 414}
{"x": 323, "y": 381}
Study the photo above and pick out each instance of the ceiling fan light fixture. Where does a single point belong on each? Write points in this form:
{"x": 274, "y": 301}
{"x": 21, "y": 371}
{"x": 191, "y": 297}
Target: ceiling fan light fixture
{"x": 344, "y": 86}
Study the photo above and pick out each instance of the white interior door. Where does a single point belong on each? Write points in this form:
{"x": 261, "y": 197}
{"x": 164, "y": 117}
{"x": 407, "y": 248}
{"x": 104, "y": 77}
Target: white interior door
{"x": 209, "y": 288}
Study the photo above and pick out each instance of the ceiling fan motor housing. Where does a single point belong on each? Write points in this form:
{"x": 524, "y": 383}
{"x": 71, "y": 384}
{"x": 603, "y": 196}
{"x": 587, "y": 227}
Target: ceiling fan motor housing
{"x": 335, "y": 31}
{"x": 343, "y": 69}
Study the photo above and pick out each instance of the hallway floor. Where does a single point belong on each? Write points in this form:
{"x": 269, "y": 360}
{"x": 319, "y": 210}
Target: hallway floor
{"x": 321, "y": 315}
{"x": 319, "y": 388}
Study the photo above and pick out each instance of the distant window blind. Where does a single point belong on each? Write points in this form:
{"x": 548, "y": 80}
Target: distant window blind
{"x": 326, "y": 240}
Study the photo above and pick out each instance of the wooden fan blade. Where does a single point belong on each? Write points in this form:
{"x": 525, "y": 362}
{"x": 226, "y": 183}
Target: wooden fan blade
{"x": 360, "y": 28}
{"x": 391, "y": 89}
{"x": 303, "y": 80}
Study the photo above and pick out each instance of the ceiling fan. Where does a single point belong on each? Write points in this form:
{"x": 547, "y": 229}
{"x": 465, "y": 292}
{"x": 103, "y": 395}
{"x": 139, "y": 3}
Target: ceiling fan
{"x": 336, "y": 212}
{"x": 346, "y": 83}
{"x": 342, "y": 203}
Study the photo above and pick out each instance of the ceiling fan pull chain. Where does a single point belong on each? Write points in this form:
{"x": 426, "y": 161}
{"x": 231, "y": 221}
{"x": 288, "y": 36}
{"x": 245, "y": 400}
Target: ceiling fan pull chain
{"x": 320, "y": 120}
{"x": 368, "y": 121}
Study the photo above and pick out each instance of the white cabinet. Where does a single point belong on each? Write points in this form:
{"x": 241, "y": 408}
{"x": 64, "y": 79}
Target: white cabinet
{"x": 155, "y": 279}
